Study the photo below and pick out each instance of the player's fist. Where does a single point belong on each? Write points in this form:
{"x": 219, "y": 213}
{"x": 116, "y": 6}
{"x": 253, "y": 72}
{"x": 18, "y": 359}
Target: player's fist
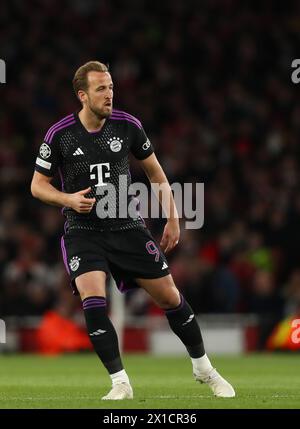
{"x": 79, "y": 202}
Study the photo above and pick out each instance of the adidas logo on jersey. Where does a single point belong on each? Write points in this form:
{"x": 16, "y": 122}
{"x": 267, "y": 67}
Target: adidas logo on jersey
{"x": 78, "y": 151}
{"x": 164, "y": 266}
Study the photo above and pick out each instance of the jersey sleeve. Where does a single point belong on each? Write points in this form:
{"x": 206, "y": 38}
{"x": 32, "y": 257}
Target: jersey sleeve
{"x": 141, "y": 147}
{"x": 48, "y": 158}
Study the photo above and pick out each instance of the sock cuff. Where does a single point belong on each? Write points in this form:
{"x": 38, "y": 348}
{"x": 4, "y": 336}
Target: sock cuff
{"x": 119, "y": 377}
{"x": 93, "y": 302}
{"x": 179, "y": 307}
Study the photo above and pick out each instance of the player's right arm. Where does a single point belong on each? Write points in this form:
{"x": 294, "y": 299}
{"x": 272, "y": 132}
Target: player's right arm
{"x": 47, "y": 163}
{"x": 42, "y": 189}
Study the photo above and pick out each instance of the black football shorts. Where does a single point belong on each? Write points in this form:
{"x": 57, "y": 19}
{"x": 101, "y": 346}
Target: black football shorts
{"x": 127, "y": 255}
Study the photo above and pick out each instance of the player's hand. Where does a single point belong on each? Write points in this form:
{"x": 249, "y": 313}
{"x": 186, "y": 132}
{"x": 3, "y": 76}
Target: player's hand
{"x": 80, "y": 203}
{"x": 170, "y": 236}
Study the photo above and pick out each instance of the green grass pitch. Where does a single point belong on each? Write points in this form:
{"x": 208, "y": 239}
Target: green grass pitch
{"x": 79, "y": 381}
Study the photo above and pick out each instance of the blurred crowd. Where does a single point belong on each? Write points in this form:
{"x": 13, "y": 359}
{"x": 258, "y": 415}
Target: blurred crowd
{"x": 211, "y": 83}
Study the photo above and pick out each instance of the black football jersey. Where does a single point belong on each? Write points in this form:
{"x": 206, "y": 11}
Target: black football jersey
{"x": 97, "y": 160}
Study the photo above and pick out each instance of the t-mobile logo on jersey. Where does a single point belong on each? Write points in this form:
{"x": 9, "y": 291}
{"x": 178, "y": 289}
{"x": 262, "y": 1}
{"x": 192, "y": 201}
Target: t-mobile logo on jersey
{"x": 100, "y": 174}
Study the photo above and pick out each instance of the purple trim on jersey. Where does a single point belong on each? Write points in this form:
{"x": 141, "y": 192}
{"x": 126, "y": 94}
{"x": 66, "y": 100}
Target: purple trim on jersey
{"x": 118, "y": 115}
{"x": 62, "y": 187}
{"x": 62, "y": 180}
{"x": 128, "y": 118}
{"x": 58, "y": 123}
{"x": 128, "y": 115}
{"x": 65, "y": 224}
{"x": 172, "y": 310}
{"x": 64, "y": 254}
{"x": 60, "y": 127}
{"x": 125, "y": 119}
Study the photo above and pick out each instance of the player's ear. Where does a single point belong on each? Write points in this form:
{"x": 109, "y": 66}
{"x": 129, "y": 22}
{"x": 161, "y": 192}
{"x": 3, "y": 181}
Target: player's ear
{"x": 81, "y": 96}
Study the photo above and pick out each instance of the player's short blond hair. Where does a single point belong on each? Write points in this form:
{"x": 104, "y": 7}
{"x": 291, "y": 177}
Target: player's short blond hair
{"x": 80, "y": 81}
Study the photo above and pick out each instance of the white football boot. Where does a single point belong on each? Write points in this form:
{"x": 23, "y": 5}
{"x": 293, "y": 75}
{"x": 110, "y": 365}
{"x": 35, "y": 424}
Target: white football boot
{"x": 119, "y": 391}
{"x": 220, "y": 387}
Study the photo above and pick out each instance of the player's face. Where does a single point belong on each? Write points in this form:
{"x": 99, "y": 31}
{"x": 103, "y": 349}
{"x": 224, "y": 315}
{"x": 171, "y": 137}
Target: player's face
{"x": 100, "y": 93}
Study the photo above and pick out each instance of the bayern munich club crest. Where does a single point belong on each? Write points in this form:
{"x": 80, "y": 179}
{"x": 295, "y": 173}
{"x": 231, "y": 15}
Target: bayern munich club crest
{"x": 74, "y": 263}
{"x": 45, "y": 151}
{"x": 115, "y": 144}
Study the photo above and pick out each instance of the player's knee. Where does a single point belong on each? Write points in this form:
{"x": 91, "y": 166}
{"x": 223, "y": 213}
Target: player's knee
{"x": 91, "y": 285}
{"x": 169, "y": 300}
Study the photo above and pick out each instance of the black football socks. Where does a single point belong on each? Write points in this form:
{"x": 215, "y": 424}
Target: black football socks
{"x": 183, "y": 323}
{"x": 102, "y": 333}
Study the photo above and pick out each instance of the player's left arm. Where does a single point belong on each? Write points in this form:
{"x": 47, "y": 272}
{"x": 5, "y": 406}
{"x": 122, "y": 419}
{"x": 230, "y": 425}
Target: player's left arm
{"x": 163, "y": 192}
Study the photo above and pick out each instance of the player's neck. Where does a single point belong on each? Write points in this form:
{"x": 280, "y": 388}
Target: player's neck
{"x": 90, "y": 121}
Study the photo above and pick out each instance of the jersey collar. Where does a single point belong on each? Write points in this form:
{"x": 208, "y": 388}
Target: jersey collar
{"x": 85, "y": 131}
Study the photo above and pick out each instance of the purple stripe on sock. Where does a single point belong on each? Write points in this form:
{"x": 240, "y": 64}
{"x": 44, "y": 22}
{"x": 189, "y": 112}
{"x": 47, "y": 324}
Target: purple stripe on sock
{"x": 127, "y": 116}
{"x": 172, "y": 310}
{"x": 58, "y": 123}
{"x": 125, "y": 119}
{"x": 94, "y": 297}
{"x": 94, "y": 301}
{"x": 94, "y": 304}
{"x": 64, "y": 254}
{"x": 86, "y": 307}
{"x": 64, "y": 125}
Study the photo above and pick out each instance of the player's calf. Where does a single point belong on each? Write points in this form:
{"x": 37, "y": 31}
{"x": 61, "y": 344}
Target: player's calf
{"x": 105, "y": 341}
{"x": 183, "y": 323}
